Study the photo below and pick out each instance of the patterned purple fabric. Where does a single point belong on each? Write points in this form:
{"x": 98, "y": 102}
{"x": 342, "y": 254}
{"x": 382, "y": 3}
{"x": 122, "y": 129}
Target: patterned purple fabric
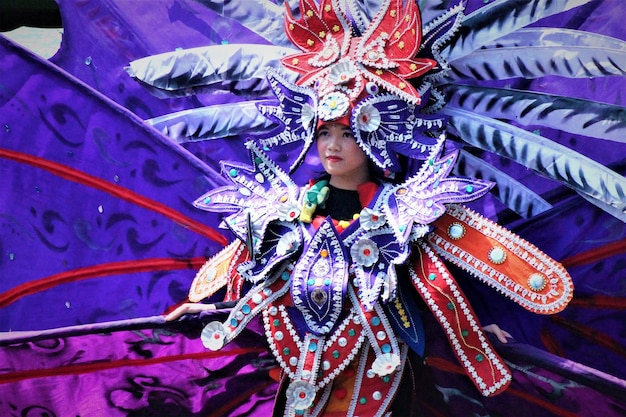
{"x": 132, "y": 368}
{"x": 97, "y": 231}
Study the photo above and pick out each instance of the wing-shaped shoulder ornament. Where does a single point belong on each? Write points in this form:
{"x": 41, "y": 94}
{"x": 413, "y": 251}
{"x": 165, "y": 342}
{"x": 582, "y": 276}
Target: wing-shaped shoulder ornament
{"x": 259, "y": 195}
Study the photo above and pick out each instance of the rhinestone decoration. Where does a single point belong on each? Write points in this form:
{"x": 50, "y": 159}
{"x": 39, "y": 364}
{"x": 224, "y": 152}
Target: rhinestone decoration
{"x": 456, "y": 231}
{"x": 537, "y": 282}
{"x": 319, "y": 296}
{"x": 497, "y": 255}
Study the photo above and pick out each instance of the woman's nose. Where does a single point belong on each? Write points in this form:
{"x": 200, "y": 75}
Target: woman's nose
{"x": 333, "y": 143}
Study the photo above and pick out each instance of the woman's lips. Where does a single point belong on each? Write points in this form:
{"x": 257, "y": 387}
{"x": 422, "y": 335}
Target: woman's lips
{"x": 333, "y": 158}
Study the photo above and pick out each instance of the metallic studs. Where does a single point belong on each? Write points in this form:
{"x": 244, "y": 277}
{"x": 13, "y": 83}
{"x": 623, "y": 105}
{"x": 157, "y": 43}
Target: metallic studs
{"x": 456, "y": 231}
{"x": 497, "y": 255}
{"x": 537, "y": 282}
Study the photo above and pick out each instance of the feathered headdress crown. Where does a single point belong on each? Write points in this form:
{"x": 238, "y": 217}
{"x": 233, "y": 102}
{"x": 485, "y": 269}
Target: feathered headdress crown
{"x": 359, "y": 79}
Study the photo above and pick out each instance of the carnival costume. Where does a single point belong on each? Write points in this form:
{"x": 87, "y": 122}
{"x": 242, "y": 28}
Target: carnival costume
{"x": 330, "y": 295}
{"x": 99, "y": 236}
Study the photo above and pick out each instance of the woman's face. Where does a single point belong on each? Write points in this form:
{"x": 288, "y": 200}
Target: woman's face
{"x": 341, "y": 157}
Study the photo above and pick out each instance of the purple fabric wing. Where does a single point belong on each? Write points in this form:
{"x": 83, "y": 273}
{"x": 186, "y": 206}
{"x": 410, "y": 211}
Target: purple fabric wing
{"x": 96, "y": 206}
{"x": 134, "y": 367}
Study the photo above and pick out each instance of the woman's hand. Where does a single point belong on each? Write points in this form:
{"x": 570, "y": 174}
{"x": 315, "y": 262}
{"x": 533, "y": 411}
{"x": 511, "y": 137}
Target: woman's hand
{"x": 188, "y": 308}
{"x": 502, "y": 335}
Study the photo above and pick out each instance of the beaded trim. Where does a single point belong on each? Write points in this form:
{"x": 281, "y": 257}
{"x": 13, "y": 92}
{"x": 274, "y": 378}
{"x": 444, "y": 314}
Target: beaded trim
{"x": 374, "y": 254}
{"x": 422, "y": 198}
{"x": 338, "y": 350}
{"x": 297, "y": 112}
{"x": 281, "y": 240}
{"x": 321, "y": 402}
{"x": 282, "y": 344}
{"x": 256, "y": 196}
{"x": 310, "y": 359}
{"x": 377, "y": 329}
{"x": 333, "y": 364}
{"x": 319, "y": 279}
{"x": 369, "y": 387}
{"x": 330, "y": 53}
{"x": 479, "y": 361}
{"x": 378, "y": 141}
{"x": 256, "y": 300}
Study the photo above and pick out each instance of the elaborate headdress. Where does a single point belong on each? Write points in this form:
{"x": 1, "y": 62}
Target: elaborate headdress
{"x": 361, "y": 79}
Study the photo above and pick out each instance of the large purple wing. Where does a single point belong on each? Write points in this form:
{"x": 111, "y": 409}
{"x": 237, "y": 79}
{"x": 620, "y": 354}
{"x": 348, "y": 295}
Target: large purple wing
{"x": 97, "y": 220}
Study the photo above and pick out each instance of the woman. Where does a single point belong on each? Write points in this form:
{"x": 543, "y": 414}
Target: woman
{"x": 342, "y": 270}
{"x": 348, "y": 187}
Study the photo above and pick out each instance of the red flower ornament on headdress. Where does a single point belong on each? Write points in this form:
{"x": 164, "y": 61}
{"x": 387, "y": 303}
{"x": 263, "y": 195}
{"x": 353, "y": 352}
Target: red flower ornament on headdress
{"x": 340, "y": 65}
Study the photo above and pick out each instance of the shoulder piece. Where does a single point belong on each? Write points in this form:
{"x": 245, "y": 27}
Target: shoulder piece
{"x": 503, "y": 260}
{"x": 217, "y": 271}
